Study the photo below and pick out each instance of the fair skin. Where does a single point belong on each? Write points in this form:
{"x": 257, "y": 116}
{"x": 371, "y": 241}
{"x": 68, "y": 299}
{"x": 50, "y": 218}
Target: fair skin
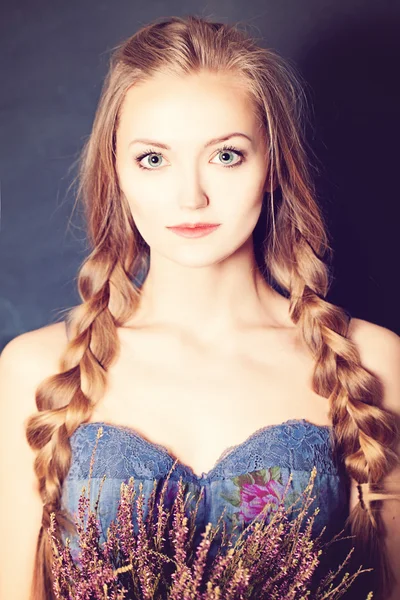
{"x": 206, "y": 287}
{"x": 207, "y": 320}
{"x": 211, "y": 355}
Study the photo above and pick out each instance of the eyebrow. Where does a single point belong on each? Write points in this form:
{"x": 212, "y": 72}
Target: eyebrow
{"x": 223, "y": 138}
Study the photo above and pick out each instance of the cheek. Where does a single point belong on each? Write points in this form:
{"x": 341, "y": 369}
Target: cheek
{"x": 148, "y": 219}
{"x": 143, "y": 199}
{"x": 145, "y": 210}
{"x": 246, "y": 221}
{"x": 244, "y": 205}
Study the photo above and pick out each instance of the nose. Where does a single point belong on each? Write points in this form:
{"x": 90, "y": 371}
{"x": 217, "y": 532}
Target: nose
{"x": 192, "y": 194}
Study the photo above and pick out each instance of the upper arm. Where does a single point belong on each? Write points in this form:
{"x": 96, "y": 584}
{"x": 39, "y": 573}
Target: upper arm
{"x": 379, "y": 350}
{"x": 22, "y": 367}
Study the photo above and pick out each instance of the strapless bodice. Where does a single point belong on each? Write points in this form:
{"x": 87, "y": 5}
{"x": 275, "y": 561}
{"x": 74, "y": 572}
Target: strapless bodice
{"x": 242, "y": 481}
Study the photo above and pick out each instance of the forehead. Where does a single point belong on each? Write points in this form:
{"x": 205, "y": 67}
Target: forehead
{"x": 201, "y": 105}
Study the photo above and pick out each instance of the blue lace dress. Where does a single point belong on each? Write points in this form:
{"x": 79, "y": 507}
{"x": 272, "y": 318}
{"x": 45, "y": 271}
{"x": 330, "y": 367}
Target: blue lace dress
{"x": 242, "y": 481}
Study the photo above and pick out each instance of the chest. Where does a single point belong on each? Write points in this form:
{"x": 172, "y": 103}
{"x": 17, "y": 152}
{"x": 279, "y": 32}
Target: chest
{"x": 198, "y": 402}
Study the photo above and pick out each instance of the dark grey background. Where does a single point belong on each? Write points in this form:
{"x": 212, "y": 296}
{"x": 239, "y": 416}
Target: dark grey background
{"x": 53, "y": 58}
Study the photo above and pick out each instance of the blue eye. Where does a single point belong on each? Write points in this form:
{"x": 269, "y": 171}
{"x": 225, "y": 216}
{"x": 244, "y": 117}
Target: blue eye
{"x": 230, "y": 149}
{"x": 147, "y": 153}
{"x": 224, "y": 150}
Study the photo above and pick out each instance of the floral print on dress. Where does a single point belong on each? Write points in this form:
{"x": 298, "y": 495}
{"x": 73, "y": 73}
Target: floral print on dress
{"x": 256, "y": 490}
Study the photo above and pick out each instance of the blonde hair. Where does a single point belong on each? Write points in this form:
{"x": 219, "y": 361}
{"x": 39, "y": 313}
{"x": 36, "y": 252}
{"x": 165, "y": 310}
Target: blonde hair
{"x": 291, "y": 241}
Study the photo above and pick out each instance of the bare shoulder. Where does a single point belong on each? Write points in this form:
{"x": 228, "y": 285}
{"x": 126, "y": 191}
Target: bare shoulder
{"x": 47, "y": 337}
{"x": 24, "y": 362}
{"x": 379, "y": 349}
{"x": 32, "y": 356}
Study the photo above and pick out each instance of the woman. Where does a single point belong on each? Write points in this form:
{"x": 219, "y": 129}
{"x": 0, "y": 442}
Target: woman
{"x": 230, "y": 330}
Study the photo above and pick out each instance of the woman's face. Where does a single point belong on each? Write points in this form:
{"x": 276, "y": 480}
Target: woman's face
{"x": 195, "y": 179}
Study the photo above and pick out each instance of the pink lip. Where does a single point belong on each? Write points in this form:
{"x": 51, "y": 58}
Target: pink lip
{"x": 193, "y": 232}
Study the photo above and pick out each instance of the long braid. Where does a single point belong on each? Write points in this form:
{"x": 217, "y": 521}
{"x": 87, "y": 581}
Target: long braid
{"x": 67, "y": 399}
{"x": 365, "y": 434}
{"x": 294, "y": 257}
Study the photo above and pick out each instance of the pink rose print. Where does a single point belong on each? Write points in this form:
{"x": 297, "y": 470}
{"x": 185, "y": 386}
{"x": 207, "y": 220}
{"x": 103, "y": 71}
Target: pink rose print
{"x": 253, "y": 498}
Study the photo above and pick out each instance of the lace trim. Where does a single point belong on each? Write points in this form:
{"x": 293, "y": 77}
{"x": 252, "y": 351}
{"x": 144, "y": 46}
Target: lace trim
{"x": 296, "y": 444}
